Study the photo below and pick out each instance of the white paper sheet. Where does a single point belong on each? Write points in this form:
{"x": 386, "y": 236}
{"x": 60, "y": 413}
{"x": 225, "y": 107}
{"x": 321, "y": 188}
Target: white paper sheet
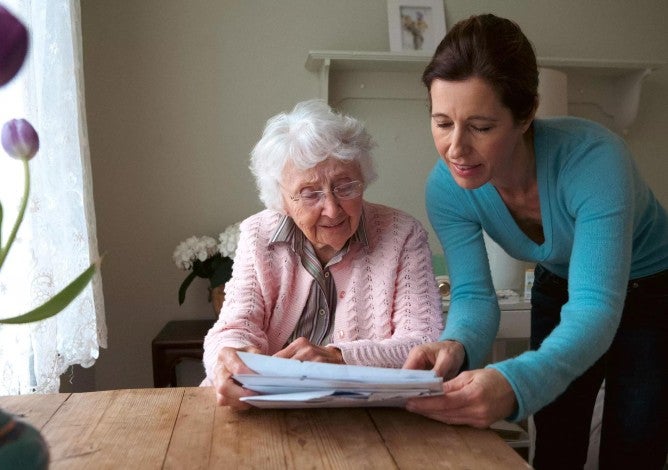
{"x": 288, "y": 383}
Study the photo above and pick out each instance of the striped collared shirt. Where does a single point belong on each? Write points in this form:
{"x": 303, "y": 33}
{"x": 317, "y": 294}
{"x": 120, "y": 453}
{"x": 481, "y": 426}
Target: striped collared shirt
{"x": 317, "y": 318}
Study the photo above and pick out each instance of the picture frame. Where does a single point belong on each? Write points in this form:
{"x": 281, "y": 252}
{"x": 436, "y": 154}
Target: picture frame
{"x": 415, "y": 26}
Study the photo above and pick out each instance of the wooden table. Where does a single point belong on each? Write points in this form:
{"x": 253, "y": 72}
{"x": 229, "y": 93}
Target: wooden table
{"x": 183, "y": 428}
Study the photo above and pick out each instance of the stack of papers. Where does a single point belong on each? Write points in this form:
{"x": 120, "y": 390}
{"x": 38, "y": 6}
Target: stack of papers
{"x": 288, "y": 383}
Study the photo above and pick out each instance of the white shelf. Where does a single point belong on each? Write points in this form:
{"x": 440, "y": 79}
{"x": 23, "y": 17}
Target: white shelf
{"x": 369, "y": 61}
{"x": 611, "y": 86}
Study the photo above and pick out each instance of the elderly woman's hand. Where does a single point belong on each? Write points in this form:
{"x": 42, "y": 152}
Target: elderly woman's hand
{"x": 228, "y": 391}
{"x": 444, "y": 357}
{"x": 476, "y": 398}
{"x": 302, "y": 350}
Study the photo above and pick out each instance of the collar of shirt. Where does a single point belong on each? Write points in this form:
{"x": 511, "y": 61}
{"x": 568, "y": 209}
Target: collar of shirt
{"x": 317, "y": 318}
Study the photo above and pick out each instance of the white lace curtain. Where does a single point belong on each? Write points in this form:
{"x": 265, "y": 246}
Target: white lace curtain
{"x": 57, "y": 239}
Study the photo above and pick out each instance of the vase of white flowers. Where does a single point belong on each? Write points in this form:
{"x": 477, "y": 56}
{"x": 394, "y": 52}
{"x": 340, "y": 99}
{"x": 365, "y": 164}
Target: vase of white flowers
{"x": 209, "y": 259}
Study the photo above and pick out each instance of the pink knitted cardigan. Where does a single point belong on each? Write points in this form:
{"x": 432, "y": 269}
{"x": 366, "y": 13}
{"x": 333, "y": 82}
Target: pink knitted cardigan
{"x": 387, "y": 303}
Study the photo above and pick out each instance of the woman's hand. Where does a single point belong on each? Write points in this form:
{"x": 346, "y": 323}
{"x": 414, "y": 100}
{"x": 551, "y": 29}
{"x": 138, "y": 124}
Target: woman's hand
{"x": 228, "y": 391}
{"x": 476, "y": 398}
{"x": 443, "y": 357}
{"x": 302, "y": 350}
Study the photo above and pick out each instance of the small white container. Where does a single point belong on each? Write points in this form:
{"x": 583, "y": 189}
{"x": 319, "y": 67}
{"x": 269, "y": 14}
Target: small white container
{"x": 528, "y": 284}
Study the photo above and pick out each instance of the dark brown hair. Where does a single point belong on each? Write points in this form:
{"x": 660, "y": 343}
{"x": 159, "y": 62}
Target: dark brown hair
{"x": 495, "y": 50}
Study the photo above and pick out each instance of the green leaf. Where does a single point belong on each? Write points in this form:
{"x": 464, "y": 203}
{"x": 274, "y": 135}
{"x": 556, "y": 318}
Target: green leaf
{"x": 184, "y": 286}
{"x": 59, "y": 301}
{"x": 222, "y": 272}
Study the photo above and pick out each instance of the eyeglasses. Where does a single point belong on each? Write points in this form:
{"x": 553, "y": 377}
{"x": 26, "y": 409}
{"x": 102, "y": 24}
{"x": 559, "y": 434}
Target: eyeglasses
{"x": 345, "y": 191}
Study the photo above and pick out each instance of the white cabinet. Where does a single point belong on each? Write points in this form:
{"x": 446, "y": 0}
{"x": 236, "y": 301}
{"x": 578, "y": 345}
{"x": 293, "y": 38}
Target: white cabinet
{"x": 515, "y": 325}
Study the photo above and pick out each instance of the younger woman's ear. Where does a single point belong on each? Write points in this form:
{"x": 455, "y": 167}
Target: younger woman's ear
{"x": 527, "y": 122}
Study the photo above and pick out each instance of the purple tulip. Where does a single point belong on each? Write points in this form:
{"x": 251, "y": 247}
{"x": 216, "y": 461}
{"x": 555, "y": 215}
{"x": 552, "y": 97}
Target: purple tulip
{"x": 13, "y": 45}
{"x": 20, "y": 139}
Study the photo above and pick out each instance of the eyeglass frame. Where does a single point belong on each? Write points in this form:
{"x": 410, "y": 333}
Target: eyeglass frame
{"x": 357, "y": 187}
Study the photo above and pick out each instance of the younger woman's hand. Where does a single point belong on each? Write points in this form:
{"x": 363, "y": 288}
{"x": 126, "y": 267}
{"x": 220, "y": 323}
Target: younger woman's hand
{"x": 446, "y": 358}
{"x": 476, "y": 398}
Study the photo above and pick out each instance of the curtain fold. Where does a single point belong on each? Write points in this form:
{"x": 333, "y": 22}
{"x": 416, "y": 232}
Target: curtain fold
{"x": 57, "y": 239}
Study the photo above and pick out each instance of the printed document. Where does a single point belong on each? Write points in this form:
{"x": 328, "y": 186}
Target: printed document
{"x": 289, "y": 383}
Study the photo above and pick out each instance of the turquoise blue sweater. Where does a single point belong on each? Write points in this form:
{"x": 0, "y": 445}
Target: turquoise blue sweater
{"x": 602, "y": 226}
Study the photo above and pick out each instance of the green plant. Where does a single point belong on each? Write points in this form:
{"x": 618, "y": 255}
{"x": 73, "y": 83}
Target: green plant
{"x": 206, "y": 258}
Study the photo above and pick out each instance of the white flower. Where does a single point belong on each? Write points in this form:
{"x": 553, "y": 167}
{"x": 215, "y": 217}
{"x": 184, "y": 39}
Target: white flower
{"x": 228, "y": 240}
{"x": 194, "y": 248}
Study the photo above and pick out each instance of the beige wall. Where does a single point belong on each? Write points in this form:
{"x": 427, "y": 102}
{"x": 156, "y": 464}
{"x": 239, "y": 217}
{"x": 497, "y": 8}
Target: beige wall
{"x": 177, "y": 93}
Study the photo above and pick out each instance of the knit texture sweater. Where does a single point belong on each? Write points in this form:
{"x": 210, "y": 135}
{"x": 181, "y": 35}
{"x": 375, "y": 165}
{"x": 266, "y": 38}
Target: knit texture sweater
{"x": 388, "y": 300}
{"x": 602, "y": 227}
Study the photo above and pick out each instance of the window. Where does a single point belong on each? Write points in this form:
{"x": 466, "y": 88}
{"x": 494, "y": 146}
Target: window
{"x": 57, "y": 238}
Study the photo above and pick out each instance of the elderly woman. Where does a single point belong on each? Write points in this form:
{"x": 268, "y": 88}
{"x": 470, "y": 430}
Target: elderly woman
{"x": 321, "y": 274}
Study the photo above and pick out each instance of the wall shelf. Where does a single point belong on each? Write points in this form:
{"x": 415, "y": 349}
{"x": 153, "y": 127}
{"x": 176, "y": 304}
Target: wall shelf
{"x": 611, "y": 86}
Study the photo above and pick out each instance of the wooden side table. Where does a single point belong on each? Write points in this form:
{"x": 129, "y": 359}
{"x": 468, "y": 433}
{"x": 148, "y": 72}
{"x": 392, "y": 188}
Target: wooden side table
{"x": 177, "y": 340}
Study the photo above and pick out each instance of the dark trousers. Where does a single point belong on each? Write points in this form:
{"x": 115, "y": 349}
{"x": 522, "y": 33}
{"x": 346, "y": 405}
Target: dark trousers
{"x": 634, "y": 431}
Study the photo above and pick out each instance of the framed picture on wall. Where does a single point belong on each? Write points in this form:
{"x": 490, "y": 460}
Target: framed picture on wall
{"x": 415, "y": 26}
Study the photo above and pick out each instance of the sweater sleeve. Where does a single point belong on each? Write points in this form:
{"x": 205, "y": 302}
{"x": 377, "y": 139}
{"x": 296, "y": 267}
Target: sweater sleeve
{"x": 399, "y": 305}
{"x": 241, "y": 319}
{"x": 474, "y": 315}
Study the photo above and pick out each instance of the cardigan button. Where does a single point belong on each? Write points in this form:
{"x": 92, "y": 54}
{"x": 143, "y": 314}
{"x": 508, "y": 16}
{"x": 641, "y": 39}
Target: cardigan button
{"x": 342, "y": 294}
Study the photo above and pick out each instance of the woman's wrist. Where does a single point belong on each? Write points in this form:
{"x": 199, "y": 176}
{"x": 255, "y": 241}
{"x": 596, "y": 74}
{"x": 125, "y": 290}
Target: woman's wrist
{"x": 337, "y": 355}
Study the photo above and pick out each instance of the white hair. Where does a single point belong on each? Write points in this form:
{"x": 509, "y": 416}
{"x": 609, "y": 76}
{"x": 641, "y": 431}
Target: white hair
{"x": 307, "y": 136}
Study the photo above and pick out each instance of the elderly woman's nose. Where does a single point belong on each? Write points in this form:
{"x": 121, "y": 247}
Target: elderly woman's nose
{"x": 330, "y": 204}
